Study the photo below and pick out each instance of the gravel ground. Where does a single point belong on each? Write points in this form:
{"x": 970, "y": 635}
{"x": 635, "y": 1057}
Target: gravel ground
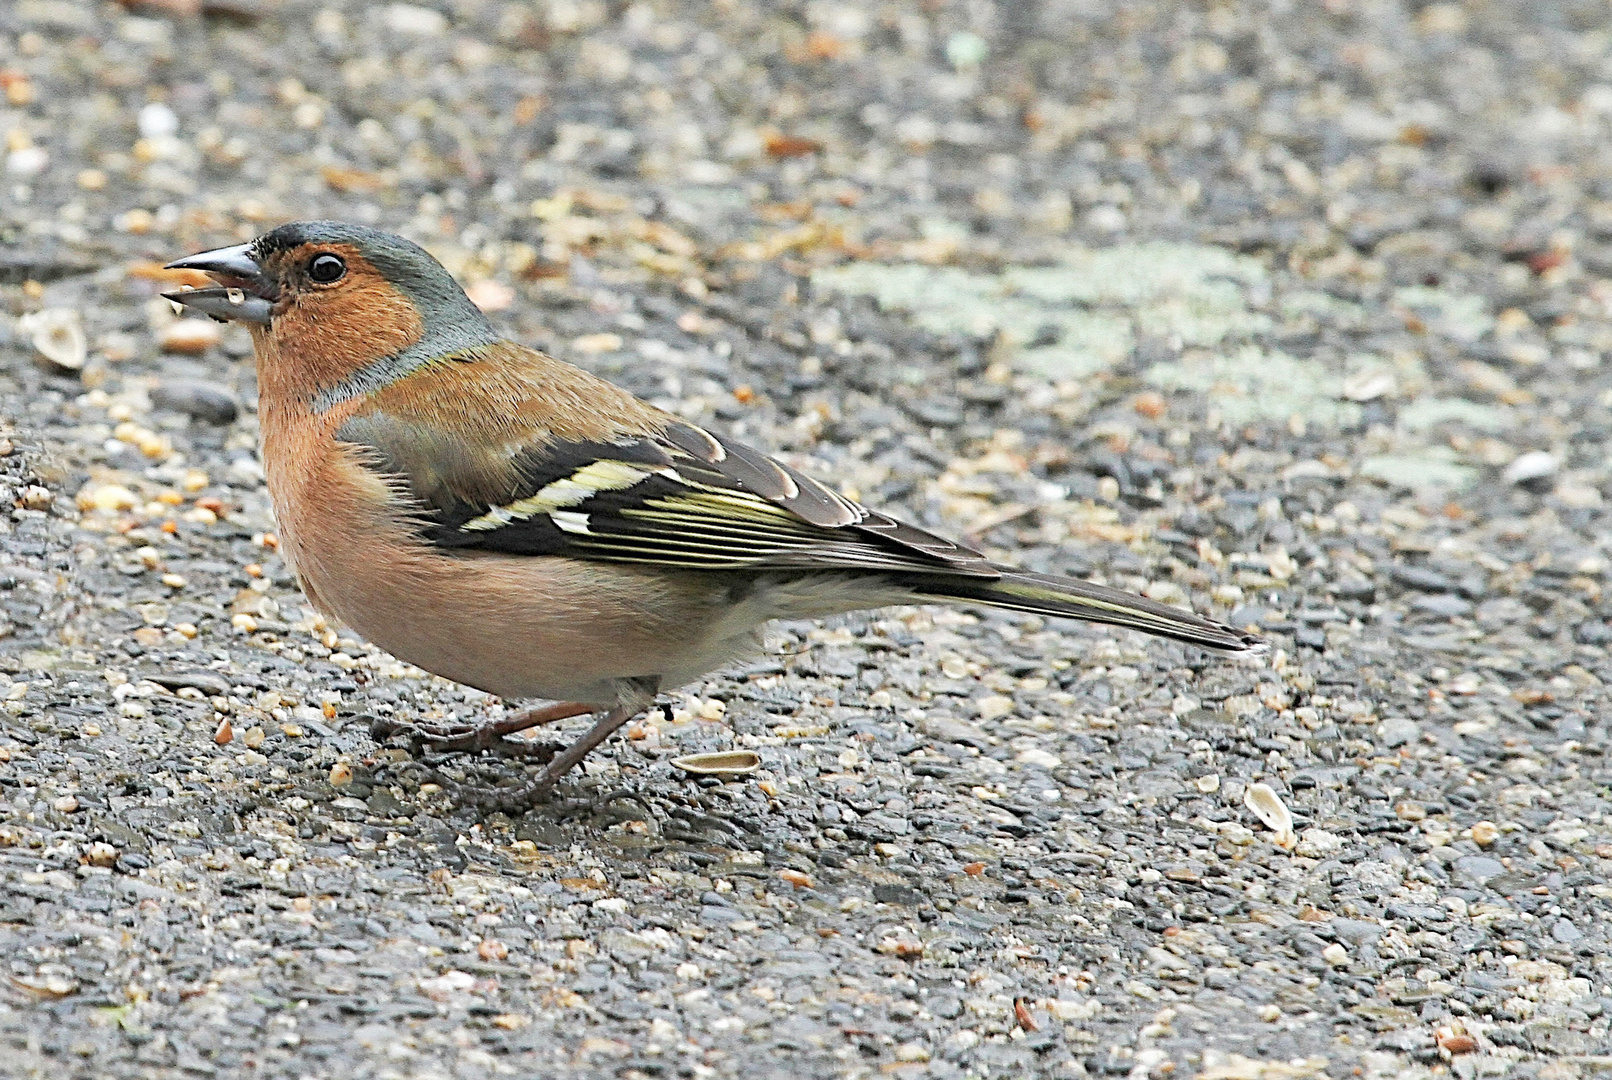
{"x": 1294, "y": 312}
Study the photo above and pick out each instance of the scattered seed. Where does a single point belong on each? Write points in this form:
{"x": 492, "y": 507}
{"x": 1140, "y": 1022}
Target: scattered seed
{"x": 50, "y": 987}
{"x": 727, "y": 763}
{"x": 1270, "y": 809}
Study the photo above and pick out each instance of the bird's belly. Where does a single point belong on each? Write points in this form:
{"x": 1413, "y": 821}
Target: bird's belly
{"x": 529, "y": 626}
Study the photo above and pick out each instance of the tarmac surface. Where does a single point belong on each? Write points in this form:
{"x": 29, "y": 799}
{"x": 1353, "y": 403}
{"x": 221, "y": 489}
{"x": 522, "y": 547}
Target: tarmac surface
{"x": 1297, "y": 313}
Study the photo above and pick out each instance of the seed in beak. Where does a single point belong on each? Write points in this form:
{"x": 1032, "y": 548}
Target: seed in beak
{"x": 235, "y": 296}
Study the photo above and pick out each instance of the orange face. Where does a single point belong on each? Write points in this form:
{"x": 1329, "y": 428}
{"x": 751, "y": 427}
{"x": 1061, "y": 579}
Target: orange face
{"x": 335, "y": 313}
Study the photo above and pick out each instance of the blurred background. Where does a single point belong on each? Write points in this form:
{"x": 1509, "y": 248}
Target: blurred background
{"x": 1295, "y": 311}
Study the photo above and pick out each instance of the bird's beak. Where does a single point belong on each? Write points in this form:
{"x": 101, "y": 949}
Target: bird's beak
{"x": 243, "y": 293}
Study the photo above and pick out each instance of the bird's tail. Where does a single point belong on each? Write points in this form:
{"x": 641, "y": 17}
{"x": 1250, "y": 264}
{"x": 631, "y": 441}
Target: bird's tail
{"x": 1068, "y": 598}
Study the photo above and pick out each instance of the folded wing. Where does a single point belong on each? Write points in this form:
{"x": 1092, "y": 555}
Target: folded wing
{"x": 681, "y": 497}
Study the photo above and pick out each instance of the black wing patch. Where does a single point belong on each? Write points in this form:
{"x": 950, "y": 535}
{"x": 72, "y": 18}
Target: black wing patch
{"x": 687, "y": 499}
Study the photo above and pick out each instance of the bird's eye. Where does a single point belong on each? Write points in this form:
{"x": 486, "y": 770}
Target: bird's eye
{"x": 326, "y": 268}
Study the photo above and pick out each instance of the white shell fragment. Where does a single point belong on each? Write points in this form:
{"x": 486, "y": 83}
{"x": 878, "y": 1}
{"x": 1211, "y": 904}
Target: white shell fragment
{"x": 57, "y": 335}
{"x": 1269, "y": 808}
{"x": 727, "y": 763}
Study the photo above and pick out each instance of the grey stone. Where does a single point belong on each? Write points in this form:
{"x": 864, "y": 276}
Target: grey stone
{"x": 203, "y": 400}
{"x": 1443, "y": 605}
{"x": 1565, "y": 932}
{"x": 1395, "y": 731}
{"x": 1478, "y": 869}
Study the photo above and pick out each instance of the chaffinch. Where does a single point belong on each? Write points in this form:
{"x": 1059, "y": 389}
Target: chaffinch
{"x": 513, "y": 523}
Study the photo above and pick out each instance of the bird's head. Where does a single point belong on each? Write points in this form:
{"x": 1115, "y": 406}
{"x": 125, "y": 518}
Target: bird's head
{"x": 338, "y": 298}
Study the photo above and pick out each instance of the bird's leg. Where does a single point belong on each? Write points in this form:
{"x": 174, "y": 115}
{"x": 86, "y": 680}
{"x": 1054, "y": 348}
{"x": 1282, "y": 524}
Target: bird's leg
{"x": 522, "y": 795}
{"x": 470, "y": 738}
{"x": 636, "y": 695}
{"x": 598, "y": 733}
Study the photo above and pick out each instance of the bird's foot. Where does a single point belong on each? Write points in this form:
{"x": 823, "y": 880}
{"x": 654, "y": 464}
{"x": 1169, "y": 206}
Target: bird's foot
{"x": 493, "y": 735}
{"x": 519, "y": 797}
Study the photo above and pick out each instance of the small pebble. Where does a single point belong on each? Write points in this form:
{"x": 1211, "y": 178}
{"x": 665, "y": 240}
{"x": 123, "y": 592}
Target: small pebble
{"x": 994, "y": 707}
{"x": 1456, "y": 1042}
{"x": 100, "y": 854}
{"x": 27, "y": 162}
{"x": 593, "y": 344}
{"x": 156, "y": 121}
{"x": 1532, "y": 466}
{"x": 225, "y": 733}
{"x": 414, "y": 21}
{"x": 490, "y": 295}
{"x": 109, "y": 497}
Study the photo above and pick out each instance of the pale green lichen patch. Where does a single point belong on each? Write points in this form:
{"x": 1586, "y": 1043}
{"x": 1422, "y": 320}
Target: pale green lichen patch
{"x": 1092, "y": 306}
{"x": 1420, "y": 470}
{"x": 1138, "y": 274}
{"x": 1088, "y": 342}
{"x": 1318, "y": 308}
{"x": 1097, "y": 302}
{"x": 1430, "y": 412}
{"x": 1464, "y": 317}
{"x": 1249, "y": 384}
